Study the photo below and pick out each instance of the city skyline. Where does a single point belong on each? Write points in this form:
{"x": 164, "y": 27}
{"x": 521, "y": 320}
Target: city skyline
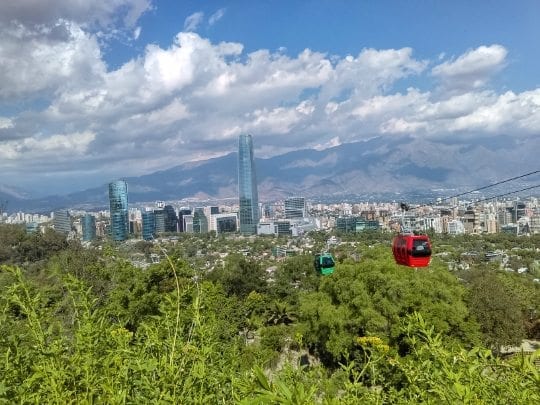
{"x": 103, "y": 90}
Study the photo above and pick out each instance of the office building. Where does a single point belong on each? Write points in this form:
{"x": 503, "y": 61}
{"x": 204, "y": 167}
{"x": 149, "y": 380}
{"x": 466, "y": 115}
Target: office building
{"x": 181, "y": 213}
{"x": 224, "y": 223}
{"x": 247, "y": 187}
{"x": 62, "y": 222}
{"x": 295, "y": 207}
{"x": 148, "y": 225}
{"x": 159, "y": 221}
{"x": 118, "y": 200}
{"x": 171, "y": 220}
{"x": 88, "y": 228}
{"x": 200, "y": 222}
{"x": 188, "y": 223}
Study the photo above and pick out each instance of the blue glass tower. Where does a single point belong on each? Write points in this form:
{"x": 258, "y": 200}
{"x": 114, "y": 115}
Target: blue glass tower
{"x": 118, "y": 199}
{"x": 148, "y": 225}
{"x": 247, "y": 187}
{"x": 88, "y": 228}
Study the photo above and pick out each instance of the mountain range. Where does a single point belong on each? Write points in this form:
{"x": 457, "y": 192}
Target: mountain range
{"x": 403, "y": 167}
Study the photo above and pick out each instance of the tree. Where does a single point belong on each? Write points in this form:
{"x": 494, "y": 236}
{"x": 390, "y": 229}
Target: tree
{"x": 497, "y": 310}
{"x": 240, "y": 276}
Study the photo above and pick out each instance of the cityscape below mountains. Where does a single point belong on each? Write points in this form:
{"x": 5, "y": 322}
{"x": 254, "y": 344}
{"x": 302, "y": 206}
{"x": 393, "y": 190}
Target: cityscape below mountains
{"x": 374, "y": 170}
{"x": 289, "y": 216}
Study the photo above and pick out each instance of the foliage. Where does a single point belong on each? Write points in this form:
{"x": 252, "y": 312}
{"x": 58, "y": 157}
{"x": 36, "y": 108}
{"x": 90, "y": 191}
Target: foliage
{"x": 87, "y": 326}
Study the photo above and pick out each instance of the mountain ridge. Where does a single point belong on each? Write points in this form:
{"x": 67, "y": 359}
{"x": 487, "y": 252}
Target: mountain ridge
{"x": 377, "y": 166}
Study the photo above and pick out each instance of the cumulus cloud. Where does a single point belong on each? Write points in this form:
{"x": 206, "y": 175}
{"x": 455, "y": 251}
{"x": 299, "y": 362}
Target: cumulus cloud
{"x": 193, "y": 21}
{"x": 191, "y": 99}
{"x": 472, "y": 69}
{"x": 48, "y": 147}
{"x": 101, "y": 13}
{"x": 46, "y": 58}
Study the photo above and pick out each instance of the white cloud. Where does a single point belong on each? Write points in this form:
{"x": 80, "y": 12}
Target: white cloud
{"x": 508, "y": 112}
{"x": 47, "y": 147}
{"x": 191, "y": 99}
{"x": 32, "y": 61}
{"x": 193, "y": 21}
{"x": 6, "y": 123}
{"x": 218, "y": 15}
{"x": 102, "y": 13}
{"x": 472, "y": 69}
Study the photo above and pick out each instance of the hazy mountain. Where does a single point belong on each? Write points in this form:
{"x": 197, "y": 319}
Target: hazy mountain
{"x": 379, "y": 167}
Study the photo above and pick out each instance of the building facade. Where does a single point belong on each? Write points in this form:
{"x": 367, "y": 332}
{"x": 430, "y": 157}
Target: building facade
{"x": 118, "y": 201}
{"x": 148, "y": 225}
{"x": 88, "y": 228}
{"x": 295, "y": 207}
{"x": 62, "y": 222}
{"x": 247, "y": 187}
{"x": 200, "y": 221}
{"x": 181, "y": 212}
{"x": 224, "y": 223}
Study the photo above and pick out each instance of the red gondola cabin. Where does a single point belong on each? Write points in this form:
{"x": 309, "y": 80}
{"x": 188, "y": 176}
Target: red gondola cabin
{"x": 412, "y": 250}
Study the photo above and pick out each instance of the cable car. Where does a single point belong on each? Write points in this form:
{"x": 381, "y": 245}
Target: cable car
{"x": 324, "y": 263}
{"x": 412, "y": 250}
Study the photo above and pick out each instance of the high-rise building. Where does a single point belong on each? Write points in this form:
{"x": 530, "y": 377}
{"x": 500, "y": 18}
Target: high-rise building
{"x": 295, "y": 207}
{"x": 88, "y": 227}
{"x": 118, "y": 200}
{"x": 159, "y": 218}
{"x": 200, "y": 222}
{"x": 247, "y": 187}
{"x": 148, "y": 225}
{"x": 171, "y": 220}
{"x": 181, "y": 213}
{"x": 62, "y": 221}
{"x": 188, "y": 223}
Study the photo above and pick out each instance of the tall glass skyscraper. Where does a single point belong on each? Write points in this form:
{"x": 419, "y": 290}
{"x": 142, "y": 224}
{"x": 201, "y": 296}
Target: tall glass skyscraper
{"x": 247, "y": 187}
{"x": 88, "y": 228}
{"x": 148, "y": 225}
{"x": 118, "y": 200}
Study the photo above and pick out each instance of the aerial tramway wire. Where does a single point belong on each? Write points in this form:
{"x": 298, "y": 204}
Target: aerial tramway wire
{"x": 510, "y": 192}
{"x": 493, "y": 185}
{"x": 482, "y": 188}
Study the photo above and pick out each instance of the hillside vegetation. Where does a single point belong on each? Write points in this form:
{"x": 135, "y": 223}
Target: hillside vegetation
{"x": 84, "y": 325}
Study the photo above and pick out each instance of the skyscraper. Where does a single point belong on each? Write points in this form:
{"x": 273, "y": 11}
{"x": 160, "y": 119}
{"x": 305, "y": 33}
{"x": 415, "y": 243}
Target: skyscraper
{"x": 171, "y": 220}
{"x": 247, "y": 187}
{"x": 118, "y": 200}
{"x": 148, "y": 225}
{"x": 181, "y": 213}
{"x": 88, "y": 228}
{"x": 62, "y": 221}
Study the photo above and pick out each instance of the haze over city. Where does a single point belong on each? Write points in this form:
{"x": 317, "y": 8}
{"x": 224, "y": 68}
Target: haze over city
{"x": 94, "y": 91}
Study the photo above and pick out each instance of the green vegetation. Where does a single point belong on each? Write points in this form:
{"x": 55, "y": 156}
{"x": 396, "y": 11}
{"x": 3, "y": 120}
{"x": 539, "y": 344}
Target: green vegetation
{"x": 203, "y": 326}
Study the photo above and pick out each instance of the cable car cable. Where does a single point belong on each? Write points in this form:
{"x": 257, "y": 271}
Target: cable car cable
{"x": 478, "y": 189}
{"x": 511, "y": 192}
{"x": 491, "y": 185}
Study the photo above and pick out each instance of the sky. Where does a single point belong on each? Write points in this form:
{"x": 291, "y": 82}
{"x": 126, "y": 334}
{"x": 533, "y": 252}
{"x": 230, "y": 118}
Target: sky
{"x": 92, "y": 91}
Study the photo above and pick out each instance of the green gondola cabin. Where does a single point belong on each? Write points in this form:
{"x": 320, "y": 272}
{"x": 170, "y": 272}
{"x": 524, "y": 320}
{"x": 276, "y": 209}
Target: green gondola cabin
{"x": 324, "y": 264}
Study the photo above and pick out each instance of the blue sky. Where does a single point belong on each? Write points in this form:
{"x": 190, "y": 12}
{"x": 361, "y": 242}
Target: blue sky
{"x": 93, "y": 91}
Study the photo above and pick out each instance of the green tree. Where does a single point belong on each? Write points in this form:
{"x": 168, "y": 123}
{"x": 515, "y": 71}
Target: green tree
{"x": 240, "y": 276}
{"x": 497, "y": 309}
